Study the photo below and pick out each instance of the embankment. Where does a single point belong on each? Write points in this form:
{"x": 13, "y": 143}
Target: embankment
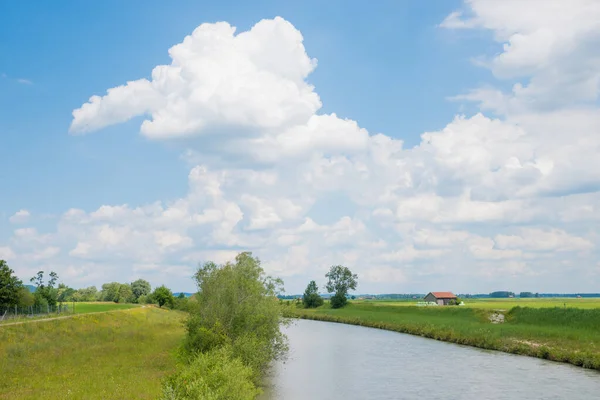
{"x": 567, "y": 335}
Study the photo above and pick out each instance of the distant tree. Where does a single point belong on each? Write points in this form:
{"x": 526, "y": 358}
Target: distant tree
{"x": 163, "y": 295}
{"x": 65, "y": 293}
{"x": 524, "y": 295}
{"x": 125, "y": 294}
{"x": 45, "y": 294}
{"x": 501, "y": 294}
{"x": 140, "y": 288}
{"x": 311, "y": 298}
{"x": 26, "y": 298}
{"x": 181, "y": 296}
{"x": 340, "y": 281}
{"x": 10, "y": 285}
{"x": 86, "y": 294}
{"x": 110, "y": 291}
{"x": 537, "y": 295}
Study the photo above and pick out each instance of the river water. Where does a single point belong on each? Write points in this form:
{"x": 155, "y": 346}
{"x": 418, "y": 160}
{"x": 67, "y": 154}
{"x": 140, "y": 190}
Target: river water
{"x": 337, "y": 361}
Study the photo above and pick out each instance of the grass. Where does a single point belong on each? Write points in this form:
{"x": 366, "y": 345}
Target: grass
{"x": 559, "y": 334}
{"x": 502, "y": 304}
{"x": 92, "y": 307}
{"x": 120, "y": 355}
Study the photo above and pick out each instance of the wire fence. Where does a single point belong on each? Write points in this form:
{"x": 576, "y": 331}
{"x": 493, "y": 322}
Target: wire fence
{"x": 16, "y": 312}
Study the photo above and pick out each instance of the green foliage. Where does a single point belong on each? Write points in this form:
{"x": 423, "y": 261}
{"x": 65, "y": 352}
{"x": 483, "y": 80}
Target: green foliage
{"x": 26, "y": 298}
{"x": 338, "y": 301}
{"x": 45, "y": 294}
{"x": 340, "y": 281}
{"x": 65, "y": 293}
{"x": 10, "y": 285}
{"x": 86, "y": 294}
{"x": 163, "y": 296}
{"x": 311, "y": 298}
{"x": 214, "y": 375}
{"x": 140, "y": 288}
{"x": 237, "y": 307}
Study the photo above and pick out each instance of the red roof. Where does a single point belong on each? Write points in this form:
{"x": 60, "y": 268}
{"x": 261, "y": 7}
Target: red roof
{"x": 443, "y": 295}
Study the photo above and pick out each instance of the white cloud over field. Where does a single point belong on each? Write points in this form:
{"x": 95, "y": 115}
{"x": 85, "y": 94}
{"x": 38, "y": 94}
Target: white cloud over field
{"x": 507, "y": 200}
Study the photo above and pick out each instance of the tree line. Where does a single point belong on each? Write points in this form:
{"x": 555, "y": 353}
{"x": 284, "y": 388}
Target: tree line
{"x": 48, "y": 293}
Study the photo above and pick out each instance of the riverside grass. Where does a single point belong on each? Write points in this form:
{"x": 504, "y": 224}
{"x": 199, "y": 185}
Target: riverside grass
{"x": 559, "y": 334}
{"x": 115, "y": 355}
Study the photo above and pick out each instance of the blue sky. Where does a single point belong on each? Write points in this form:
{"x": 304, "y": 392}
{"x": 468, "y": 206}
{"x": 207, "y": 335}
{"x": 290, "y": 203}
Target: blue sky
{"x": 391, "y": 54}
{"x": 391, "y": 67}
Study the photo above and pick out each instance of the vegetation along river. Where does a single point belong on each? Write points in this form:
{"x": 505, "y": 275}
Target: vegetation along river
{"x": 336, "y": 361}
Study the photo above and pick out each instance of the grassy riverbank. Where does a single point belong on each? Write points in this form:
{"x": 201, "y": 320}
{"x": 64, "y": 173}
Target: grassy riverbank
{"x": 93, "y": 356}
{"x": 560, "y": 334}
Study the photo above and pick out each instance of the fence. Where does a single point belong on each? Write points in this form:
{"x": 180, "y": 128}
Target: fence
{"x": 13, "y": 312}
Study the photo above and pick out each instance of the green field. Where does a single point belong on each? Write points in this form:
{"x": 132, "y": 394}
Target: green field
{"x": 117, "y": 355}
{"x": 561, "y": 334}
{"x": 502, "y": 304}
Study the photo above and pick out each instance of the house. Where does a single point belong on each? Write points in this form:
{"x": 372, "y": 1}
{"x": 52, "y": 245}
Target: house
{"x": 441, "y": 298}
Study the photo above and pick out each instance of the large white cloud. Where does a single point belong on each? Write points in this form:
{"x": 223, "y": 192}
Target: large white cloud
{"x": 485, "y": 203}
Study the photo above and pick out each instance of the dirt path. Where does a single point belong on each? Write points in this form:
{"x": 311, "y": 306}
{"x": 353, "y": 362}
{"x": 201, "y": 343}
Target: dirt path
{"x": 65, "y": 317}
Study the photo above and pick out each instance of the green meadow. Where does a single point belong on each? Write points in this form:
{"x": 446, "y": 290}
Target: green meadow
{"x": 502, "y": 304}
{"x": 92, "y": 307}
{"x": 566, "y": 334}
{"x": 113, "y": 355}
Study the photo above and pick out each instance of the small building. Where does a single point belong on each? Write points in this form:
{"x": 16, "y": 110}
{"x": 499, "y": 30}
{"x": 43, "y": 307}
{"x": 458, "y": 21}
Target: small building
{"x": 441, "y": 298}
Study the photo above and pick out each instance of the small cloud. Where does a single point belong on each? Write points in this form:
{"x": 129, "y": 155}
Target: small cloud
{"x": 20, "y": 216}
{"x": 24, "y": 81}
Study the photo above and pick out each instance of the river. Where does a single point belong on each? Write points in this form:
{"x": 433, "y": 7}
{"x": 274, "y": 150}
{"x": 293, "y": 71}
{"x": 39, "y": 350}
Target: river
{"x": 337, "y": 361}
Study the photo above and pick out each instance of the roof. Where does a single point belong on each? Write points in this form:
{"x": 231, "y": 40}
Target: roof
{"x": 443, "y": 295}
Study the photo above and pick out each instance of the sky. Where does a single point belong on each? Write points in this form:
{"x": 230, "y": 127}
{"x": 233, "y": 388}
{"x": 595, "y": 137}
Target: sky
{"x": 451, "y": 145}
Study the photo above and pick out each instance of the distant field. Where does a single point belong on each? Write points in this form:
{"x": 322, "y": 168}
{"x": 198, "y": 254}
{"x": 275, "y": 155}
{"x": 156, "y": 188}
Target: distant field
{"x": 502, "y": 304}
{"x": 120, "y": 355}
{"x": 84, "y": 308}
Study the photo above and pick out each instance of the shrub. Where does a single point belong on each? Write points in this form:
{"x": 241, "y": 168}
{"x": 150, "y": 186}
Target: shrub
{"x": 338, "y": 301}
{"x": 215, "y": 375}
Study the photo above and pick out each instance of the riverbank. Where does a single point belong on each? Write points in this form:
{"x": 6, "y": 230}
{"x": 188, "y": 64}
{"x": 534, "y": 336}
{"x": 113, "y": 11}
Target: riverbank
{"x": 103, "y": 355}
{"x": 559, "y": 334}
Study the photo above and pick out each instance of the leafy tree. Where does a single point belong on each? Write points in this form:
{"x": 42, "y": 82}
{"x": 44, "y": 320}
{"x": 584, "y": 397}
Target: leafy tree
{"x": 10, "y": 285}
{"x": 340, "y": 281}
{"x": 125, "y": 294}
{"x": 140, "y": 288}
{"x": 311, "y": 298}
{"x": 64, "y": 293}
{"x": 26, "y": 298}
{"x": 86, "y": 294}
{"x": 45, "y": 294}
{"x": 524, "y": 295}
{"x": 237, "y": 305}
{"x": 110, "y": 291}
{"x": 181, "y": 296}
{"x": 163, "y": 295}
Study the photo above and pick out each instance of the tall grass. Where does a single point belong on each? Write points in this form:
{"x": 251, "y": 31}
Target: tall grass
{"x": 566, "y": 335}
{"x": 120, "y": 355}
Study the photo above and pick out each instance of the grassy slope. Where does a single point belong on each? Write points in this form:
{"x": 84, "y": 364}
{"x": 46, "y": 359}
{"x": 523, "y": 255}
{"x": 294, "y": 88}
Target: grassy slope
{"x": 84, "y": 308}
{"x": 120, "y": 355}
{"x": 567, "y": 335}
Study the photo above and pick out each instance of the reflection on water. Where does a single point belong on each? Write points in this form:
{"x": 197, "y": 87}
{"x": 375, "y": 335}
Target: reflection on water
{"x": 337, "y": 361}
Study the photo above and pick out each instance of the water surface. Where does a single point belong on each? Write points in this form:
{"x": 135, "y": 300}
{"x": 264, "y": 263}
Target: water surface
{"x": 337, "y": 361}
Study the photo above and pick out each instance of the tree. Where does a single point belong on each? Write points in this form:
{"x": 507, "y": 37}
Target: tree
{"x": 237, "y": 305}
{"x": 10, "y": 285}
{"x": 110, "y": 291}
{"x": 340, "y": 281}
{"x": 163, "y": 295}
{"x": 311, "y": 298}
{"x": 65, "y": 293}
{"x": 45, "y": 294}
{"x": 125, "y": 294}
{"x": 140, "y": 288}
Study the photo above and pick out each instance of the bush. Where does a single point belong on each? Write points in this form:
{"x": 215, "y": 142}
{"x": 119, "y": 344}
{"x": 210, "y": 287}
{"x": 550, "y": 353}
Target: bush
{"x": 216, "y": 375}
{"x": 338, "y": 301}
